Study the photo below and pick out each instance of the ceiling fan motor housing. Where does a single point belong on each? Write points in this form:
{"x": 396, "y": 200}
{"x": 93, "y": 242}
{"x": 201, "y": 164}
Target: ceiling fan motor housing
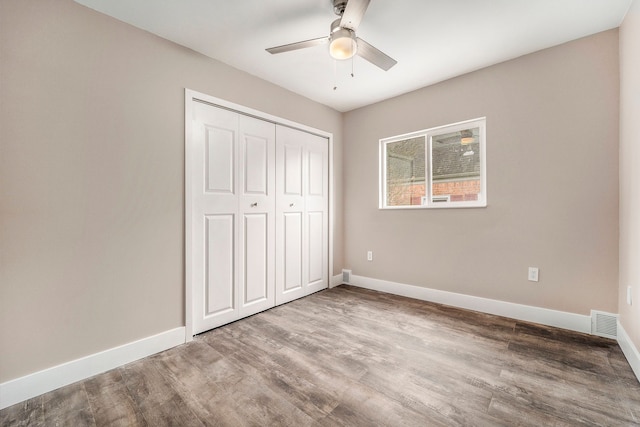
{"x": 339, "y": 6}
{"x": 335, "y": 26}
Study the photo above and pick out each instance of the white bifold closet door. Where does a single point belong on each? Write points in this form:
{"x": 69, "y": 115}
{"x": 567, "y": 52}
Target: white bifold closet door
{"x": 259, "y": 226}
{"x": 302, "y": 183}
{"x": 233, "y": 216}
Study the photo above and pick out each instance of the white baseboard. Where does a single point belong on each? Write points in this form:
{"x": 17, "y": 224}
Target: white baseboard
{"x": 629, "y": 349}
{"x": 32, "y": 385}
{"x": 335, "y": 281}
{"x": 544, "y": 316}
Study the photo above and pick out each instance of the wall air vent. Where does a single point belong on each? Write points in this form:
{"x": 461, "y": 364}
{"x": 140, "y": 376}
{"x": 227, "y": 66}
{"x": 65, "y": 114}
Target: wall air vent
{"x": 604, "y": 324}
{"x": 346, "y": 277}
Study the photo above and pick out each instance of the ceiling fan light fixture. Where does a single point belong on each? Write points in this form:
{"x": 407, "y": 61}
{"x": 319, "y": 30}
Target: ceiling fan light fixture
{"x": 343, "y": 44}
{"x": 466, "y": 137}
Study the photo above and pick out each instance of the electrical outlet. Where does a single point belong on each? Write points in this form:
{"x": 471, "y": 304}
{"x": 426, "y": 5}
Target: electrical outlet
{"x": 629, "y": 300}
{"x": 533, "y": 274}
{"x": 370, "y": 256}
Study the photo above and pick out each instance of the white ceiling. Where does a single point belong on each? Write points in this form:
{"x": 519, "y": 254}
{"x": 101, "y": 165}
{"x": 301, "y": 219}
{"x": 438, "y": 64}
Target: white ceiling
{"x": 432, "y": 40}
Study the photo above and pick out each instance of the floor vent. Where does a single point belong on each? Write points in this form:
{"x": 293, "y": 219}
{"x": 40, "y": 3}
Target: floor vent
{"x": 346, "y": 276}
{"x": 604, "y": 324}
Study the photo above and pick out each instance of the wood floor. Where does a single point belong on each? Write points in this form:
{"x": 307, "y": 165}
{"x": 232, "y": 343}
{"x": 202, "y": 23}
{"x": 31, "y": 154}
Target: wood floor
{"x": 353, "y": 357}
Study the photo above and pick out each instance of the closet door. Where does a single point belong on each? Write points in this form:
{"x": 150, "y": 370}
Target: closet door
{"x": 256, "y": 277}
{"x": 302, "y": 214}
{"x": 317, "y": 213}
{"x": 232, "y": 232}
{"x": 214, "y": 216}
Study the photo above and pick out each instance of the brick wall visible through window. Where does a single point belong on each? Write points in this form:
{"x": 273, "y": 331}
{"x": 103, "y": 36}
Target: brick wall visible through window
{"x": 406, "y": 172}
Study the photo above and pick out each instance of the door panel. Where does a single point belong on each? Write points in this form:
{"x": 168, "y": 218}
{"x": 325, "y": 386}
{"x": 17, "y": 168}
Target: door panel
{"x": 293, "y": 169}
{"x": 316, "y": 246}
{"x": 256, "y": 164}
{"x": 316, "y": 177}
{"x": 292, "y": 251}
{"x": 256, "y": 259}
{"x": 219, "y": 264}
{"x": 220, "y": 160}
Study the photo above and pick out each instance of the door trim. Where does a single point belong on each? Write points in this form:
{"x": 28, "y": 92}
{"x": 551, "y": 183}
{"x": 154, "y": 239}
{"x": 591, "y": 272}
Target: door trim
{"x": 189, "y": 97}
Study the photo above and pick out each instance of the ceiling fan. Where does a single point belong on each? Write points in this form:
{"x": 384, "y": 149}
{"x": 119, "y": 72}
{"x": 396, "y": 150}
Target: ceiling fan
{"x": 342, "y": 40}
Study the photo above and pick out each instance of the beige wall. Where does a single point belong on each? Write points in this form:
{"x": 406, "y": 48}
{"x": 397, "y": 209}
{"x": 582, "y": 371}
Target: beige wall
{"x": 552, "y": 158}
{"x": 92, "y": 178}
{"x": 630, "y": 172}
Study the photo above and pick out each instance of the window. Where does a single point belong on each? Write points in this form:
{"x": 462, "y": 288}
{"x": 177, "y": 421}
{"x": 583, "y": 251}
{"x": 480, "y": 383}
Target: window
{"x": 443, "y": 167}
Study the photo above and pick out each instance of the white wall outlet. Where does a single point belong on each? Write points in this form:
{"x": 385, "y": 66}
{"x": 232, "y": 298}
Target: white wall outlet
{"x": 533, "y": 274}
{"x": 629, "y": 300}
{"x": 369, "y": 255}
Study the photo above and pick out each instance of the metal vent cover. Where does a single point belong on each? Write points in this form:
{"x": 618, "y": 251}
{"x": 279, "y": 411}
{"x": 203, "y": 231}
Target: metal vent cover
{"x": 604, "y": 324}
{"x": 346, "y": 276}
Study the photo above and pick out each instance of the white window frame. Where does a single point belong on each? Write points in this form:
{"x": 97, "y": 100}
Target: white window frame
{"x": 480, "y": 123}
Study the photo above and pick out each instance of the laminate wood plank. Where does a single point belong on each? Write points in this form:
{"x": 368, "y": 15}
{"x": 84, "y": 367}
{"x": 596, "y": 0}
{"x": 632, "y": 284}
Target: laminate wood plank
{"x": 68, "y": 406}
{"x": 620, "y": 364}
{"x": 159, "y": 402}
{"x": 197, "y": 359}
{"x": 526, "y": 414}
{"x": 319, "y": 351}
{"x": 111, "y": 402}
{"x": 477, "y": 326}
{"x": 364, "y": 406}
{"x": 283, "y": 393}
{"x": 294, "y": 383}
{"x": 441, "y": 399}
{"x": 259, "y": 398}
{"x": 27, "y": 413}
{"x": 566, "y": 400}
{"x": 203, "y": 385}
{"x": 629, "y": 398}
{"x": 554, "y": 371}
{"x": 571, "y": 357}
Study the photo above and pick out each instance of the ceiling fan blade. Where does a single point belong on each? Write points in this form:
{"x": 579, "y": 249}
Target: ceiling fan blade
{"x": 353, "y": 13}
{"x": 375, "y": 56}
{"x": 298, "y": 45}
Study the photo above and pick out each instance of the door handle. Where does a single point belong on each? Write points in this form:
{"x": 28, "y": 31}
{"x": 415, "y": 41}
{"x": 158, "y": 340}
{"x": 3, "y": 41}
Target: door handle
{"x": 254, "y": 204}
{"x": 291, "y": 205}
